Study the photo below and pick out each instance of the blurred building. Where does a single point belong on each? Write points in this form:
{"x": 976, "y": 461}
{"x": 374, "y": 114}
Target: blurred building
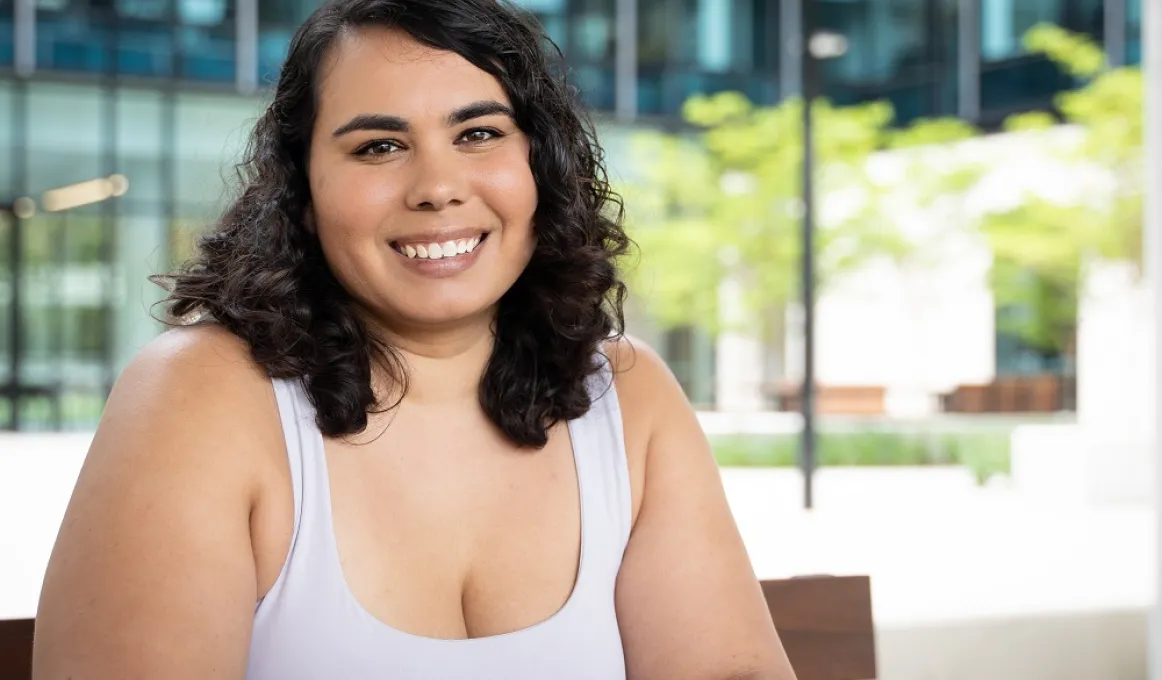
{"x": 120, "y": 119}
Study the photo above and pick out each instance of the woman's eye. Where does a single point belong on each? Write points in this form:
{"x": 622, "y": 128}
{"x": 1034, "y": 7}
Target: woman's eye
{"x": 378, "y": 148}
{"x": 479, "y": 135}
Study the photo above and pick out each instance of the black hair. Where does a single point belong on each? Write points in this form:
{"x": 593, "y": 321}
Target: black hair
{"x": 261, "y": 274}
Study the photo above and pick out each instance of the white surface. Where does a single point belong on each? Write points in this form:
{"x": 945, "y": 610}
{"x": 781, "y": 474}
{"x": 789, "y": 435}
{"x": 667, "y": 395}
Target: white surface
{"x": 1080, "y": 464}
{"x": 940, "y": 548}
{"x": 37, "y": 474}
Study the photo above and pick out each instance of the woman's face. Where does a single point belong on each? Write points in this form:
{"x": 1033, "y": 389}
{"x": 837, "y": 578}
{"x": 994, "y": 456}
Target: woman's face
{"x": 422, "y": 193}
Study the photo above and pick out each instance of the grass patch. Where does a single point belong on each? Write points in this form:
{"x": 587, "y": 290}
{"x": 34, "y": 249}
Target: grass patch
{"x": 985, "y": 453}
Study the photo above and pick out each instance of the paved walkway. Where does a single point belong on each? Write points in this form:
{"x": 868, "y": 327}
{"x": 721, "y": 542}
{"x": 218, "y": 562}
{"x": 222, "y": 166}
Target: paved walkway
{"x": 939, "y": 547}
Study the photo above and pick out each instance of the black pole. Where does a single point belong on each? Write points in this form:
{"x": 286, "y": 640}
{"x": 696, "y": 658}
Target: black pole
{"x": 15, "y": 334}
{"x": 807, "y": 267}
{"x": 16, "y": 251}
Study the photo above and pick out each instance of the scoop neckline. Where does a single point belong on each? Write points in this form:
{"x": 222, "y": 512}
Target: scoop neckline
{"x": 333, "y": 557}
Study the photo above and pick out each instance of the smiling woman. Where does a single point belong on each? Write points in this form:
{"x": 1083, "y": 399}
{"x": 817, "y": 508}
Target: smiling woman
{"x": 396, "y": 432}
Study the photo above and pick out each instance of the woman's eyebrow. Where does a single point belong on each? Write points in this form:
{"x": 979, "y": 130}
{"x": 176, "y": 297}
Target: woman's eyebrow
{"x": 479, "y": 110}
{"x": 372, "y": 121}
{"x": 387, "y": 123}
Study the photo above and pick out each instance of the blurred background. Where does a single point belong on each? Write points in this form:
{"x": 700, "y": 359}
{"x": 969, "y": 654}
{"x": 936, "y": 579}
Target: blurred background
{"x": 980, "y": 323}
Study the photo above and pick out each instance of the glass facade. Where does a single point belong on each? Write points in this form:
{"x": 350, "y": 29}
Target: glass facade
{"x": 904, "y": 51}
{"x": 186, "y": 39}
{"x": 77, "y": 276}
{"x": 74, "y": 299}
{"x": 1011, "y": 79}
{"x": 7, "y": 46}
{"x": 277, "y": 21}
{"x": 1134, "y": 31}
{"x": 686, "y": 47}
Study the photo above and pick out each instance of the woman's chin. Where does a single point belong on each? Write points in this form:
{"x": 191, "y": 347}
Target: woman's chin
{"x": 448, "y": 314}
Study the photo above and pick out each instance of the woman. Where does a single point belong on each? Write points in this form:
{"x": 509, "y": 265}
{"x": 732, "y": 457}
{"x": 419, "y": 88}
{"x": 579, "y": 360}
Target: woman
{"x": 461, "y": 470}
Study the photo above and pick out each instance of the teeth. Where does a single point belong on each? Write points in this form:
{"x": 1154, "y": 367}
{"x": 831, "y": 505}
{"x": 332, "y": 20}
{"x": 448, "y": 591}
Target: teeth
{"x": 438, "y": 251}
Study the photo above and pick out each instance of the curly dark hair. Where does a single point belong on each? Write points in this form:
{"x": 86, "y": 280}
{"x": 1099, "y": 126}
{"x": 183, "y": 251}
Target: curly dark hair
{"x": 261, "y": 274}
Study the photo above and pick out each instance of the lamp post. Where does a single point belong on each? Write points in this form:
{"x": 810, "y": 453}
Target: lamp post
{"x": 16, "y": 212}
{"x": 815, "y": 47}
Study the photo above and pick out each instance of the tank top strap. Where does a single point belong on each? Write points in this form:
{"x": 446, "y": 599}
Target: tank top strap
{"x": 298, "y": 429}
{"x": 602, "y": 467}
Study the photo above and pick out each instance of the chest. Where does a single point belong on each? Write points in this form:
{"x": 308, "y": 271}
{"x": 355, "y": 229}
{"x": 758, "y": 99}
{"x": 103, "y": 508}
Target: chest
{"x": 446, "y": 530}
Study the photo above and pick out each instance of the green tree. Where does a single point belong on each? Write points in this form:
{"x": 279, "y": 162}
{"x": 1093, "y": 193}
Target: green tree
{"x": 721, "y": 202}
{"x": 1040, "y": 246}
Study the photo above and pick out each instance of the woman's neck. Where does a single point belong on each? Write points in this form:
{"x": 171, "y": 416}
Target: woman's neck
{"x": 444, "y": 366}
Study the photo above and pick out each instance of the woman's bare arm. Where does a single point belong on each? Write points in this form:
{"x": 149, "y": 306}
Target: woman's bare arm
{"x": 688, "y": 602}
{"x": 153, "y": 575}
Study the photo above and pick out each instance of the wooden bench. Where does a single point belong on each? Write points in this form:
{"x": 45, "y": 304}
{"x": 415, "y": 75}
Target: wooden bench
{"x": 848, "y": 400}
{"x": 825, "y": 623}
{"x": 15, "y": 649}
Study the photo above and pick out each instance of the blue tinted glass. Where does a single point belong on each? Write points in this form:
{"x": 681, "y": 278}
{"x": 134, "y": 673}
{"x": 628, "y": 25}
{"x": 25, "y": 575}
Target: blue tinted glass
{"x": 1004, "y": 23}
{"x": 595, "y": 84}
{"x": 1133, "y": 31}
{"x": 132, "y": 37}
{"x": 207, "y": 53}
{"x": 6, "y": 36}
{"x": 543, "y": 6}
{"x": 205, "y": 38}
{"x": 902, "y": 51}
{"x": 688, "y": 47}
{"x": 886, "y": 39}
{"x": 69, "y": 37}
{"x": 662, "y": 91}
{"x": 277, "y": 22}
{"x": 145, "y": 49}
{"x": 1020, "y": 84}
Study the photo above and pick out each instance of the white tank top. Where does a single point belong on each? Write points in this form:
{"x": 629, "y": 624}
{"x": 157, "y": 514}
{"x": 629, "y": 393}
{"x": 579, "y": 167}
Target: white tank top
{"x": 310, "y": 627}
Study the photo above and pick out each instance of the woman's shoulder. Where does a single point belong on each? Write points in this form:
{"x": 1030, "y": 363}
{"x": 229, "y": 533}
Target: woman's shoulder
{"x": 195, "y": 386}
{"x": 640, "y": 375}
{"x": 194, "y": 355}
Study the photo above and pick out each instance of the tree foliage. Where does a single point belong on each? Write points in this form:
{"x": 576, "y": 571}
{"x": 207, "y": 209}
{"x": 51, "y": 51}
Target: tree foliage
{"x": 723, "y": 199}
{"x": 1040, "y": 246}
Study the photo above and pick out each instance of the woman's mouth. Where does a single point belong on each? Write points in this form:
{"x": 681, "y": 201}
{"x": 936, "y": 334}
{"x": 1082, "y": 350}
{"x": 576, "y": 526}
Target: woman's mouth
{"x": 439, "y": 250}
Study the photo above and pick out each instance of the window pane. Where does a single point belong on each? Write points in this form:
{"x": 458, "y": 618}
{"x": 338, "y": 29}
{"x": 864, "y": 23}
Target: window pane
{"x": 205, "y": 36}
{"x": 1012, "y": 79}
{"x": 900, "y": 50}
{"x": 8, "y": 148}
{"x": 67, "y": 298}
{"x": 277, "y": 22}
{"x": 79, "y": 35}
{"x": 1133, "y": 31}
{"x": 1005, "y": 22}
{"x": 70, "y": 37}
{"x": 551, "y": 15}
{"x": 6, "y": 36}
{"x": 591, "y": 32}
{"x": 213, "y": 133}
{"x": 706, "y": 46}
